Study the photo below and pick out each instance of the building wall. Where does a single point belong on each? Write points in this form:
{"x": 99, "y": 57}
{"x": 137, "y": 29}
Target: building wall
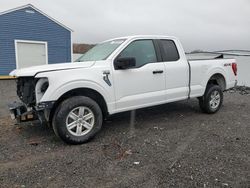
{"x": 24, "y": 25}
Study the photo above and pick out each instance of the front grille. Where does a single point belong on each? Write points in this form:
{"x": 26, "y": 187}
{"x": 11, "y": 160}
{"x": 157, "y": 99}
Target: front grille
{"x": 26, "y": 90}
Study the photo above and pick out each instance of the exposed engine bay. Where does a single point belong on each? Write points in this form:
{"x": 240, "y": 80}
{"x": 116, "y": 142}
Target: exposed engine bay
{"x": 26, "y": 90}
{"x": 30, "y": 90}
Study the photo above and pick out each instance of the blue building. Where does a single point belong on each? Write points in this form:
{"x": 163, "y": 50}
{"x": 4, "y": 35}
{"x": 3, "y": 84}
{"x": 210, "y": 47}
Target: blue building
{"x": 29, "y": 37}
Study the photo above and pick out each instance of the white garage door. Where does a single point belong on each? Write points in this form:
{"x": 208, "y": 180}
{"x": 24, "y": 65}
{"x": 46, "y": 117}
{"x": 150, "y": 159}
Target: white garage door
{"x": 31, "y": 53}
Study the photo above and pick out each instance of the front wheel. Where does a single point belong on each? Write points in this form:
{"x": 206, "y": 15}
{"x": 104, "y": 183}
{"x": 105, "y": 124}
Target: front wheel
{"x": 212, "y": 100}
{"x": 77, "y": 120}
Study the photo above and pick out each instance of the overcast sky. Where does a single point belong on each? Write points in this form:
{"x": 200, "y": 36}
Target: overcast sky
{"x": 199, "y": 24}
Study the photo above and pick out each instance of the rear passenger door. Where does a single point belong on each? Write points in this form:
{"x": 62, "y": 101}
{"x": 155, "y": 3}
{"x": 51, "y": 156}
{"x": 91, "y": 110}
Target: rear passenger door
{"x": 176, "y": 70}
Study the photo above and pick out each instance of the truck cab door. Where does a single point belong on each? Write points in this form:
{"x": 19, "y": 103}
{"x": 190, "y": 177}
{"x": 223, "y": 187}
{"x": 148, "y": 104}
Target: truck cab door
{"x": 142, "y": 85}
{"x": 176, "y": 70}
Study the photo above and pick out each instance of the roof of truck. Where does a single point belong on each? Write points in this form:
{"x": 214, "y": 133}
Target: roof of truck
{"x": 144, "y": 37}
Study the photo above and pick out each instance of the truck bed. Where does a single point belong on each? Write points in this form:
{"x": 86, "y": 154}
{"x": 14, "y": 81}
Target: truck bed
{"x": 202, "y": 69}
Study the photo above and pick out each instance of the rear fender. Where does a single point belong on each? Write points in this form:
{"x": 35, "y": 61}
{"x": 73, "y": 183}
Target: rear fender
{"x": 211, "y": 72}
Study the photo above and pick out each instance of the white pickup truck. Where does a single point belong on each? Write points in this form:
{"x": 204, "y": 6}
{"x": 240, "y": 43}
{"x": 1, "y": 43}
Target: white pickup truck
{"x": 118, "y": 75}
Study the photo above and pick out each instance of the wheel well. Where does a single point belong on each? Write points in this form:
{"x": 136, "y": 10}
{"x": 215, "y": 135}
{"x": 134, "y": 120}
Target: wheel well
{"x": 218, "y": 79}
{"x": 97, "y": 97}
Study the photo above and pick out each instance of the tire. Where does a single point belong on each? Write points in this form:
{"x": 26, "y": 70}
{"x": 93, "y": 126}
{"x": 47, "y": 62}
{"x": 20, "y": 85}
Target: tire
{"x": 212, "y": 99}
{"x": 71, "y": 123}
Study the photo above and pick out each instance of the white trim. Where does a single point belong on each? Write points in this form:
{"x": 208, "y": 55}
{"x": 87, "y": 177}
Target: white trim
{"x": 30, "y": 42}
{"x": 33, "y": 7}
{"x": 71, "y": 48}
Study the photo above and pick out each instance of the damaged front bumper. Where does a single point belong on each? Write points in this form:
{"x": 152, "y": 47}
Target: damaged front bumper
{"x": 21, "y": 113}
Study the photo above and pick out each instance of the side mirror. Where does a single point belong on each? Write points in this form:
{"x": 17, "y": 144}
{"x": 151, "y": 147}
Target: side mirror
{"x": 125, "y": 63}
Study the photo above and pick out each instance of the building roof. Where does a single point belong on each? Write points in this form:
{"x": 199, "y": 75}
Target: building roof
{"x": 41, "y": 12}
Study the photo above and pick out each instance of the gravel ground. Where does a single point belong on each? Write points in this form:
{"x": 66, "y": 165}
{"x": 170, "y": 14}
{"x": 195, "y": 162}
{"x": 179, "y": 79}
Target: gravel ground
{"x": 7, "y": 95}
{"x": 172, "y": 145}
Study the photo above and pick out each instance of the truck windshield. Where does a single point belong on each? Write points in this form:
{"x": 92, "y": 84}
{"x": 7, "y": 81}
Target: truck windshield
{"x": 101, "y": 51}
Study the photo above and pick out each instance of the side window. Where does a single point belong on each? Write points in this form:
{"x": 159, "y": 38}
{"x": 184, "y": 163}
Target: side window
{"x": 142, "y": 50}
{"x": 170, "y": 51}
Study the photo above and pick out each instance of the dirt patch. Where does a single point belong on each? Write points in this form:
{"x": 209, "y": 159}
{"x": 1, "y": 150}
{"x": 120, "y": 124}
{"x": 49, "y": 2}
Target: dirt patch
{"x": 173, "y": 145}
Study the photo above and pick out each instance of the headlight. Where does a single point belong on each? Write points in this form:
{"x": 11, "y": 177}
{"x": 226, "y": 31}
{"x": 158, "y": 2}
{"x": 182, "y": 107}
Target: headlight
{"x": 44, "y": 87}
{"x": 41, "y": 87}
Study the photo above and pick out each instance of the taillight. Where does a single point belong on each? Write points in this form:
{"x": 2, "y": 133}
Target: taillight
{"x": 234, "y": 67}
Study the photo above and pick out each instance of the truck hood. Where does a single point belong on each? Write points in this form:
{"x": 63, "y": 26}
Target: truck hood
{"x": 32, "y": 71}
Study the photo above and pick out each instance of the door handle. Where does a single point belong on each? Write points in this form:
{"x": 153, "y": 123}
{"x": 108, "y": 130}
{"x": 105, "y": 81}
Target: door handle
{"x": 157, "y": 71}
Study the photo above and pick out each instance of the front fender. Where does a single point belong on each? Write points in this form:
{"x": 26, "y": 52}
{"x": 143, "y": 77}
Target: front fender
{"x": 53, "y": 94}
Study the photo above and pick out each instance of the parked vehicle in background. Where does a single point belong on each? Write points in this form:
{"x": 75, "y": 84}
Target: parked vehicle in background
{"x": 118, "y": 75}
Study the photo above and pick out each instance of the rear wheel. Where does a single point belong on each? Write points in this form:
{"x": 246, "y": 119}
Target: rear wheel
{"x": 77, "y": 120}
{"x": 212, "y": 100}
